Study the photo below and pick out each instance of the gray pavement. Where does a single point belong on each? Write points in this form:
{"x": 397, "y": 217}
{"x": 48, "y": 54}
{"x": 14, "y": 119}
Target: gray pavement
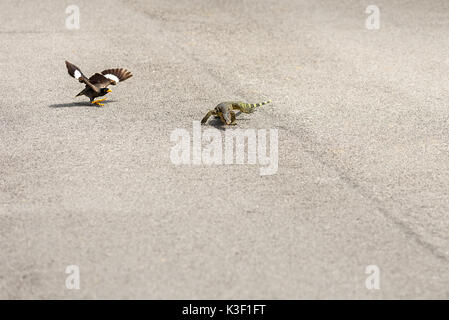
{"x": 363, "y": 174}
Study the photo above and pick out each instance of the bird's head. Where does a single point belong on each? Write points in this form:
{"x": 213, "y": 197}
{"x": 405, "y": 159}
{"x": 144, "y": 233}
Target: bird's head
{"x": 105, "y": 90}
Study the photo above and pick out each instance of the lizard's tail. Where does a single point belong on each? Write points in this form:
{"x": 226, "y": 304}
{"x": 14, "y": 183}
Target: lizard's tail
{"x": 255, "y": 105}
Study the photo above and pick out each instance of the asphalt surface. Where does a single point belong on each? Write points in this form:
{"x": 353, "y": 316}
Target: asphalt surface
{"x": 363, "y": 178}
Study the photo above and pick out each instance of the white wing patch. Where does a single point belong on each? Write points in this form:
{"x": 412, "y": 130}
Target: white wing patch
{"x": 112, "y": 77}
{"x": 77, "y": 74}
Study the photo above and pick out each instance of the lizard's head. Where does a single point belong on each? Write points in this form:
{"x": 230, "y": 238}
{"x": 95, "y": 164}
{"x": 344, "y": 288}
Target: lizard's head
{"x": 223, "y": 113}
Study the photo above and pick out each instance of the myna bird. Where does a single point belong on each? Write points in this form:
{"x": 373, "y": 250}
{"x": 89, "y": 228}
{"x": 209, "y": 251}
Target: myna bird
{"x": 97, "y": 85}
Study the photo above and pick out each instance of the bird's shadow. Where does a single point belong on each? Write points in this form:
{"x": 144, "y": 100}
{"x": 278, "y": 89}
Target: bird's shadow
{"x": 78, "y": 104}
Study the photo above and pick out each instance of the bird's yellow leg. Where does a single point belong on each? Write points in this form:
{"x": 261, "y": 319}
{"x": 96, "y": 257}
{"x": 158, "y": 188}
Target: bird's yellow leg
{"x": 97, "y": 102}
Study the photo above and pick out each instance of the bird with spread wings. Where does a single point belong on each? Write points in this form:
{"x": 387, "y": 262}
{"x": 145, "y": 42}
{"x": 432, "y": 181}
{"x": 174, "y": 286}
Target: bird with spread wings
{"x": 97, "y": 85}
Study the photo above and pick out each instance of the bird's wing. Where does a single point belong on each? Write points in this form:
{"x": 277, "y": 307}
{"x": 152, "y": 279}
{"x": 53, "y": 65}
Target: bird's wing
{"x": 76, "y": 73}
{"x": 100, "y": 80}
{"x": 117, "y": 75}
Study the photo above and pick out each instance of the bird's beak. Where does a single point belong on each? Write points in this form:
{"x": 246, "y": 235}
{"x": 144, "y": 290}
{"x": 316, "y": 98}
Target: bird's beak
{"x": 109, "y": 90}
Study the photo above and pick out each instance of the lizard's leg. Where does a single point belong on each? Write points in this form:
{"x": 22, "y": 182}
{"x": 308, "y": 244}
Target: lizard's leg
{"x": 226, "y": 117}
{"x": 207, "y": 116}
{"x": 233, "y": 118}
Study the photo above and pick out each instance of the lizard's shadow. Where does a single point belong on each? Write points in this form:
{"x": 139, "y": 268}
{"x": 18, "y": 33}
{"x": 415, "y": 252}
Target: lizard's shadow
{"x": 217, "y": 124}
{"x": 78, "y": 104}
